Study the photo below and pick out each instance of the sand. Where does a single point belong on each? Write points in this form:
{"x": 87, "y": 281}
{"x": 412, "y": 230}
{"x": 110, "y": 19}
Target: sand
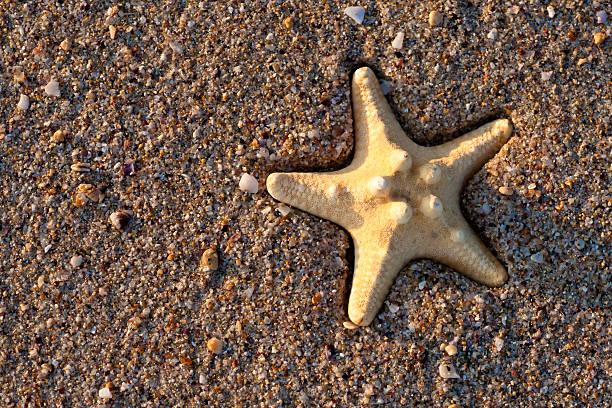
{"x": 192, "y": 95}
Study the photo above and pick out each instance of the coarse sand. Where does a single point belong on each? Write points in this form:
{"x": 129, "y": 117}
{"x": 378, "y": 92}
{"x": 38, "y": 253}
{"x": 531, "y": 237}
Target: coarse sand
{"x": 161, "y": 107}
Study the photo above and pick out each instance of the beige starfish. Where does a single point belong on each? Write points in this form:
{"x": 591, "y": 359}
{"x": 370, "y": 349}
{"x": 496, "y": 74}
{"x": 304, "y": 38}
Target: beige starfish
{"x": 398, "y": 200}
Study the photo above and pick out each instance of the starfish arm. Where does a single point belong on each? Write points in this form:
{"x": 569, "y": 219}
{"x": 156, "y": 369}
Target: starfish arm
{"x": 468, "y": 153}
{"x": 320, "y": 194}
{"x": 376, "y": 267}
{"x": 375, "y": 125}
{"x": 462, "y": 250}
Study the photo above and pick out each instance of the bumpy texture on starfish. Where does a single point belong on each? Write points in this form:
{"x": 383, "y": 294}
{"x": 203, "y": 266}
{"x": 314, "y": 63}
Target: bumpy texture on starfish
{"x": 398, "y": 200}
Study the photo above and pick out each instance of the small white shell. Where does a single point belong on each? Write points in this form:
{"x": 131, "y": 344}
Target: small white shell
{"x": 248, "y": 184}
{"x": 356, "y": 13}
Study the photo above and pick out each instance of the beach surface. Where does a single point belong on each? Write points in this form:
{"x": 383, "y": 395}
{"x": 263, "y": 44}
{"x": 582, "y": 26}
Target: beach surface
{"x": 126, "y": 127}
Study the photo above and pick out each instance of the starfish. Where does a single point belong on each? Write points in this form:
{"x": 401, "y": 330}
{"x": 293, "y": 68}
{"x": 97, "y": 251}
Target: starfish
{"x": 399, "y": 201}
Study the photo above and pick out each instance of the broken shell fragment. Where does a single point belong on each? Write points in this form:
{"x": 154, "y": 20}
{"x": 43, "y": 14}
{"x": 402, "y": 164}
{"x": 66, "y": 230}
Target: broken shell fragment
{"x": 120, "y": 219}
{"x": 80, "y": 167}
{"x": 209, "y": 260}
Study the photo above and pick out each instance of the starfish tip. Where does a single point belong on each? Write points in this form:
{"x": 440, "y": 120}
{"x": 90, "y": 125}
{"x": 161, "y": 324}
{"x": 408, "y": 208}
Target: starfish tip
{"x": 504, "y": 127}
{"x": 274, "y": 183}
{"x": 362, "y": 75}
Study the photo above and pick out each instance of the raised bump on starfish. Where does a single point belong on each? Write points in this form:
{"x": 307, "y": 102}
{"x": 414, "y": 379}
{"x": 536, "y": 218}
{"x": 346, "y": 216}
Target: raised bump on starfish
{"x": 399, "y": 201}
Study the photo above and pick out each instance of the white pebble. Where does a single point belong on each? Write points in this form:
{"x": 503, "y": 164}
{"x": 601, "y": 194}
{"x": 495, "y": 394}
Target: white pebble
{"x": 499, "y": 344}
{"x": 52, "y": 88}
{"x": 105, "y": 393}
{"x": 602, "y": 17}
{"x": 248, "y": 184}
{"x": 537, "y": 258}
{"x": 546, "y": 75}
{"x": 551, "y": 11}
{"x": 202, "y": 379}
{"x": 422, "y": 284}
{"x": 398, "y": 41}
{"x": 76, "y": 261}
{"x": 124, "y": 386}
{"x": 393, "y": 308}
{"x": 356, "y": 13}
{"x": 492, "y": 34}
{"x": 451, "y": 349}
{"x": 284, "y": 210}
{"x": 24, "y": 102}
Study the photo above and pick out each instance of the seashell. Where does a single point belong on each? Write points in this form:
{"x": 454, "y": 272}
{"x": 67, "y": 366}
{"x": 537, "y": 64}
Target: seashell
{"x": 80, "y": 167}
{"x": 52, "y": 88}
{"x": 248, "y": 184}
{"x": 215, "y": 345}
{"x": 120, "y": 219}
{"x": 398, "y": 41}
{"x": 209, "y": 260}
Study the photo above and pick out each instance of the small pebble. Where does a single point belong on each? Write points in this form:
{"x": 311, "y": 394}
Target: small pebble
{"x": 447, "y": 371}
{"x": 215, "y": 345}
{"x": 499, "y": 344}
{"x": 492, "y": 34}
{"x": 393, "y": 308}
{"x": 551, "y": 11}
{"x": 602, "y": 17}
{"x": 66, "y": 44}
{"x": 52, "y": 88}
{"x": 435, "y": 18}
{"x": 545, "y": 75}
{"x": 451, "y": 349}
{"x": 248, "y": 184}
{"x": 209, "y": 260}
{"x": 105, "y": 393}
{"x": 356, "y": 13}
{"x": 18, "y": 75}
{"x": 76, "y": 261}
{"x": 398, "y": 41}
{"x": 599, "y": 37}
{"x": 288, "y": 23}
{"x": 59, "y": 135}
{"x": 80, "y": 167}
{"x": 505, "y": 190}
{"x": 537, "y": 257}
{"x": 112, "y": 31}
{"x": 24, "y": 102}
{"x": 284, "y": 210}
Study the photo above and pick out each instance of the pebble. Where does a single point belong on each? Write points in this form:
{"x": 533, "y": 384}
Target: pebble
{"x": 602, "y": 17}
{"x": 492, "y": 34}
{"x": 551, "y": 11}
{"x": 507, "y": 191}
{"x": 66, "y": 44}
{"x": 545, "y": 75}
{"x": 52, "y": 88}
{"x": 209, "y": 260}
{"x": 248, "y": 184}
{"x": 357, "y": 13}
{"x": 18, "y": 75}
{"x": 76, "y": 261}
{"x": 398, "y": 41}
{"x": 284, "y": 210}
{"x": 393, "y": 308}
{"x": 105, "y": 393}
{"x": 24, "y": 102}
{"x": 435, "y": 18}
{"x": 288, "y": 23}
{"x": 499, "y": 344}
{"x": 59, "y": 135}
{"x": 120, "y": 219}
{"x": 112, "y": 31}
{"x": 447, "y": 371}
{"x": 537, "y": 257}
{"x": 451, "y": 349}
{"x": 599, "y": 37}
{"x": 215, "y": 345}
